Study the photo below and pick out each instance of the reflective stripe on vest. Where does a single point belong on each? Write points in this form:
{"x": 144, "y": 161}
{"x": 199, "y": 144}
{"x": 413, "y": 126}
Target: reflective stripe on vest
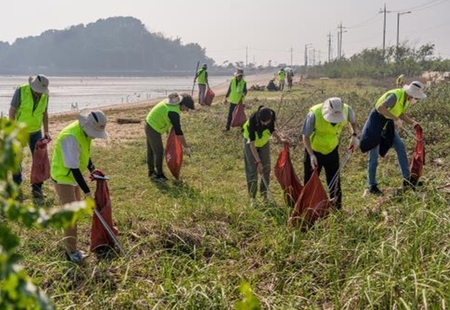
{"x": 158, "y": 117}
{"x": 201, "y": 76}
{"x": 259, "y": 141}
{"x": 237, "y": 90}
{"x": 400, "y": 106}
{"x": 325, "y": 137}
{"x": 59, "y": 172}
{"x": 25, "y": 114}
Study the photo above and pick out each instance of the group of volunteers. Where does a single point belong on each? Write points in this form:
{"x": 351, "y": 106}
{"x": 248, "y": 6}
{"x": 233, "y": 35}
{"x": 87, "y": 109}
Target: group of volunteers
{"x": 320, "y": 134}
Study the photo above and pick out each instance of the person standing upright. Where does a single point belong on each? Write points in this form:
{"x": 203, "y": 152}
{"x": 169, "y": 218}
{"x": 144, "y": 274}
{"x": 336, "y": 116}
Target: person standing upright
{"x": 29, "y": 106}
{"x": 389, "y": 112}
{"x": 202, "y": 80}
{"x": 281, "y": 78}
{"x": 321, "y": 130}
{"x": 237, "y": 90}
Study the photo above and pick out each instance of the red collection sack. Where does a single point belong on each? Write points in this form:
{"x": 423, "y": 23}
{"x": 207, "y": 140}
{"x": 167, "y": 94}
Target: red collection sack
{"x": 40, "y": 168}
{"x": 174, "y": 154}
{"x": 286, "y": 176}
{"x": 238, "y": 118}
{"x": 209, "y": 97}
{"x": 312, "y": 204}
{"x": 418, "y": 160}
{"x": 100, "y": 237}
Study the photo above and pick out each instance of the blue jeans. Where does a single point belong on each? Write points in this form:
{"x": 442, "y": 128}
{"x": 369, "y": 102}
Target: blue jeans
{"x": 400, "y": 149}
{"x": 17, "y": 177}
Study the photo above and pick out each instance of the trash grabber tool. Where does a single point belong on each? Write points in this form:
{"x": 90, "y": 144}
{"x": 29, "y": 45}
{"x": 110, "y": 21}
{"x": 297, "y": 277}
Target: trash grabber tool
{"x": 105, "y": 225}
{"x": 269, "y": 193}
{"x": 193, "y": 84}
{"x": 109, "y": 231}
{"x": 341, "y": 166}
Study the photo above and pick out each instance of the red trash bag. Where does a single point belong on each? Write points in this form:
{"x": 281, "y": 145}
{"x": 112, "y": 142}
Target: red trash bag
{"x": 238, "y": 118}
{"x": 286, "y": 176}
{"x": 209, "y": 97}
{"x": 100, "y": 238}
{"x": 312, "y": 204}
{"x": 174, "y": 154}
{"x": 418, "y": 160}
{"x": 40, "y": 167}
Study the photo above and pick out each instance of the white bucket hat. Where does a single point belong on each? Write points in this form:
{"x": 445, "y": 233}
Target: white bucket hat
{"x": 93, "y": 123}
{"x": 174, "y": 99}
{"x": 332, "y": 110}
{"x": 415, "y": 90}
{"x": 39, "y": 83}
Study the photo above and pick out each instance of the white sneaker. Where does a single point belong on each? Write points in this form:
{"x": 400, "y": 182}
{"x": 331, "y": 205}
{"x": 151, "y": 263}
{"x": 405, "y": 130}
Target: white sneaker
{"x": 252, "y": 202}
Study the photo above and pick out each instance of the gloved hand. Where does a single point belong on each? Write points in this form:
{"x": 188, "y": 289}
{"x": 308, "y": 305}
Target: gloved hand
{"x": 354, "y": 143}
{"x": 259, "y": 167}
{"x": 314, "y": 162}
{"x": 187, "y": 151}
{"x": 398, "y": 123}
{"x": 47, "y": 136}
{"x": 415, "y": 124}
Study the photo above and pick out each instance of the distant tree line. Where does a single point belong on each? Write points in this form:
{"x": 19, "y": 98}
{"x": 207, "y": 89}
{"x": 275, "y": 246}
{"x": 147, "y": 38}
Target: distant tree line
{"x": 376, "y": 63}
{"x": 112, "y": 46}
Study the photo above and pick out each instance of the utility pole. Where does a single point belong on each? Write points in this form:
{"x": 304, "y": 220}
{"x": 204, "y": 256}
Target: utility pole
{"x": 339, "y": 52}
{"x": 329, "y": 46}
{"x": 246, "y": 56}
{"x": 384, "y": 27}
{"x": 292, "y": 52}
{"x": 398, "y": 25}
{"x": 306, "y": 54}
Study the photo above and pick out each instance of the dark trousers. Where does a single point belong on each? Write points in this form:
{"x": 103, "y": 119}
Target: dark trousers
{"x": 230, "y": 114}
{"x": 251, "y": 171}
{"x": 17, "y": 177}
{"x": 155, "y": 150}
{"x": 331, "y": 164}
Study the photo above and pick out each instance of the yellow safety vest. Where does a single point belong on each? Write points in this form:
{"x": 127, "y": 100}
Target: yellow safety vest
{"x": 281, "y": 75}
{"x": 25, "y": 114}
{"x": 400, "y": 106}
{"x": 201, "y": 77}
{"x": 158, "y": 117}
{"x": 237, "y": 90}
{"x": 59, "y": 172}
{"x": 259, "y": 141}
{"x": 325, "y": 137}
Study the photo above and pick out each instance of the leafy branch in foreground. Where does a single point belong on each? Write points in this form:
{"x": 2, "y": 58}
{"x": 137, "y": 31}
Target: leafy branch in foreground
{"x": 17, "y": 290}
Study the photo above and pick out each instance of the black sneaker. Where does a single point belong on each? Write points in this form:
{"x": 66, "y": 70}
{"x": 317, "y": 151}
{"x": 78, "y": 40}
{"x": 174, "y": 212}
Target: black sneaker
{"x": 152, "y": 175}
{"x": 160, "y": 177}
{"x": 375, "y": 190}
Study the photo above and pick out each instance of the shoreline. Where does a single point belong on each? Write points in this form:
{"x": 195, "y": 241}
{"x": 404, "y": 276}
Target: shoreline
{"x": 219, "y": 90}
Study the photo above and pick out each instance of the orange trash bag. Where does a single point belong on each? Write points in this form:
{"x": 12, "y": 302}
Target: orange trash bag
{"x": 174, "y": 154}
{"x": 418, "y": 160}
{"x": 286, "y": 176}
{"x": 40, "y": 167}
{"x": 209, "y": 96}
{"x": 312, "y": 204}
{"x": 238, "y": 118}
{"x": 103, "y": 233}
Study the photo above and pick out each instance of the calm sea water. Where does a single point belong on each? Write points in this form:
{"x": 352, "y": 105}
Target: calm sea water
{"x": 70, "y": 93}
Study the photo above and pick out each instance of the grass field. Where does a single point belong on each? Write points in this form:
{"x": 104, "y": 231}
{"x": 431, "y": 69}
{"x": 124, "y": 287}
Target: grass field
{"x": 190, "y": 244}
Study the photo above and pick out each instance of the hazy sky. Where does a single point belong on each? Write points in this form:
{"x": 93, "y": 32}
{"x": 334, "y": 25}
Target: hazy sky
{"x": 248, "y": 30}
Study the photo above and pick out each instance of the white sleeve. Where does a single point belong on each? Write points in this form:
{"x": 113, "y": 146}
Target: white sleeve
{"x": 71, "y": 152}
